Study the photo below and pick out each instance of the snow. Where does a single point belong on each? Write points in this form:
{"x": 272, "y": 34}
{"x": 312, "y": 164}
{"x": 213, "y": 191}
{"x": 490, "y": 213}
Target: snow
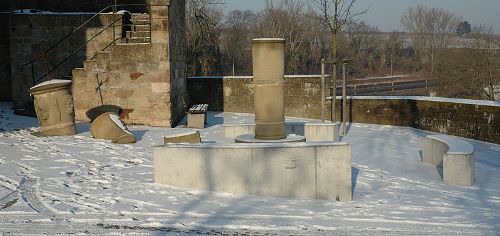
{"x": 51, "y": 82}
{"x": 455, "y": 144}
{"x": 80, "y": 185}
{"x": 116, "y": 119}
{"x": 432, "y": 99}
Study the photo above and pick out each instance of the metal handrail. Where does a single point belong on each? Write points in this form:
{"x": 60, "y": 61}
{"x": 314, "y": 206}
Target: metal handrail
{"x": 113, "y": 41}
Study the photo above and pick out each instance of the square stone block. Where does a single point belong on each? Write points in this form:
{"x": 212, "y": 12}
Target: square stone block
{"x": 196, "y": 121}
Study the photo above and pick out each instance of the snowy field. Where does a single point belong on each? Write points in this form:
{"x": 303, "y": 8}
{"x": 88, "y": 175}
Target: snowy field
{"x": 68, "y": 185}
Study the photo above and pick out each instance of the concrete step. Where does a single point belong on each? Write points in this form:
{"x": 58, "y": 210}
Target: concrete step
{"x": 140, "y": 27}
{"x": 140, "y": 22}
{"x": 133, "y": 34}
{"x": 90, "y": 65}
{"x": 140, "y": 16}
{"x": 138, "y": 40}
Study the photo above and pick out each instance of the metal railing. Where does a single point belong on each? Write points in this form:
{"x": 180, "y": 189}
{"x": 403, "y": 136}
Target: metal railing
{"x": 43, "y": 55}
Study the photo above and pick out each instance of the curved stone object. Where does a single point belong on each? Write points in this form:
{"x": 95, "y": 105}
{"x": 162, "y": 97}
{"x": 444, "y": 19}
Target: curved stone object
{"x": 109, "y": 126}
{"x": 268, "y": 77}
{"x": 54, "y": 107}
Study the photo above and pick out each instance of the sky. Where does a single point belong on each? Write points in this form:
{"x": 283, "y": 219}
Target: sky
{"x": 386, "y": 14}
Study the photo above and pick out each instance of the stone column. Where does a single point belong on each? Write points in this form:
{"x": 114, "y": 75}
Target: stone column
{"x": 268, "y": 78}
{"x": 54, "y": 107}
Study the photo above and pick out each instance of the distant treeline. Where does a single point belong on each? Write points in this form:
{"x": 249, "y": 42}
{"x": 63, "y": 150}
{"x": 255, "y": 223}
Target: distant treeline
{"x": 220, "y": 44}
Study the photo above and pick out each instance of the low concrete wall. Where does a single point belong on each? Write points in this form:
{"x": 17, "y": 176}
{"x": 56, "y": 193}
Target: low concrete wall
{"x": 460, "y": 117}
{"x": 300, "y": 170}
{"x": 475, "y": 119}
{"x": 313, "y": 132}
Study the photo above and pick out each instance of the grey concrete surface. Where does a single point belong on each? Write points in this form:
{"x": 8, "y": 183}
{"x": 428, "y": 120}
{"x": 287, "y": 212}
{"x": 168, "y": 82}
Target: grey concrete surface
{"x": 320, "y": 170}
{"x": 454, "y": 155}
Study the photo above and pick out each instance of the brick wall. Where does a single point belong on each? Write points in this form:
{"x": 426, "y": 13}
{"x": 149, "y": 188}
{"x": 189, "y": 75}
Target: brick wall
{"x": 29, "y": 33}
{"x": 67, "y": 5}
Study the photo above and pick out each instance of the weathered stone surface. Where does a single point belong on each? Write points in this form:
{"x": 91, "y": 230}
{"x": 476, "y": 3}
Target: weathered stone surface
{"x": 30, "y": 33}
{"x": 122, "y": 75}
{"x": 54, "y": 107}
{"x": 268, "y": 69}
{"x": 108, "y": 126}
{"x": 196, "y": 121}
{"x": 192, "y": 137}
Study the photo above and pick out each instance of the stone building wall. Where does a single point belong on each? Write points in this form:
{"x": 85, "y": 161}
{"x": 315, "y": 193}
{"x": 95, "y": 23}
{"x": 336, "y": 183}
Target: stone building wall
{"x": 145, "y": 80}
{"x": 31, "y": 33}
{"x": 177, "y": 53}
{"x": 67, "y": 5}
{"x": 466, "y": 118}
{"x": 5, "y": 77}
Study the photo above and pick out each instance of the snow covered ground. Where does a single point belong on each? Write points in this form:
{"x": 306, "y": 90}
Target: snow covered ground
{"x": 77, "y": 184}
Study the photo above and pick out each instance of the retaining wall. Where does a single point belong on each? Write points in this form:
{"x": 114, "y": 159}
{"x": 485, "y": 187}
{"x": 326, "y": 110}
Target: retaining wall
{"x": 461, "y": 117}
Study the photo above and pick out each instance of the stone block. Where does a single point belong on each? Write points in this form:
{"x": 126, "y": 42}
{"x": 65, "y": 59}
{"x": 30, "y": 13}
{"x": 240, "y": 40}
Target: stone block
{"x": 196, "y": 121}
{"x": 192, "y": 137}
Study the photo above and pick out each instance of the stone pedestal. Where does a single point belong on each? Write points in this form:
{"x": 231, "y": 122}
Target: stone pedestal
{"x": 54, "y": 107}
{"x": 268, "y": 78}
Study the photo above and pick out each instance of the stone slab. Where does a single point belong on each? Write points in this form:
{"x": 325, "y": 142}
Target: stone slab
{"x": 250, "y": 138}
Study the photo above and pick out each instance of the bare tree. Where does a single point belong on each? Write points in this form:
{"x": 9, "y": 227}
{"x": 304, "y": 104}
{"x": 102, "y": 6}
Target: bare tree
{"x": 472, "y": 70}
{"x": 431, "y": 29}
{"x": 239, "y": 29}
{"x": 334, "y": 14}
{"x": 203, "y": 20}
{"x": 285, "y": 19}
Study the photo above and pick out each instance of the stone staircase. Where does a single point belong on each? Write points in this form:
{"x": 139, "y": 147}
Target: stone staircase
{"x": 138, "y": 31}
{"x": 103, "y": 70}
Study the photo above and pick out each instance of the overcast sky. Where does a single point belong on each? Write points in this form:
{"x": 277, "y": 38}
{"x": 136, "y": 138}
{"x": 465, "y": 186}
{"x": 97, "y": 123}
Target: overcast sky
{"x": 386, "y": 14}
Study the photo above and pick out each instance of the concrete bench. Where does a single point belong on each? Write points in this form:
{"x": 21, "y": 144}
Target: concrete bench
{"x": 454, "y": 155}
{"x": 196, "y": 114}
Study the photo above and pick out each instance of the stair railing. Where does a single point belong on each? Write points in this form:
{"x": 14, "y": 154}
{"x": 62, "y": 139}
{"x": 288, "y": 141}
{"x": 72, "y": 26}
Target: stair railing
{"x": 114, "y": 8}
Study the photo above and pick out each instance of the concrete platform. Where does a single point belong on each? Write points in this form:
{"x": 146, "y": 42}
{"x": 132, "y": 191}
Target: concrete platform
{"x": 319, "y": 170}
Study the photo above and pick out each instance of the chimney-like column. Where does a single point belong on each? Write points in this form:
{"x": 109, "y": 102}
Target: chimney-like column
{"x": 268, "y": 78}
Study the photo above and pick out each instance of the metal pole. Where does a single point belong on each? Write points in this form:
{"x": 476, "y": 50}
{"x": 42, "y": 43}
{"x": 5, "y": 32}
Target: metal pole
{"x": 323, "y": 90}
{"x": 333, "y": 89}
{"x": 344, "y": 100}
